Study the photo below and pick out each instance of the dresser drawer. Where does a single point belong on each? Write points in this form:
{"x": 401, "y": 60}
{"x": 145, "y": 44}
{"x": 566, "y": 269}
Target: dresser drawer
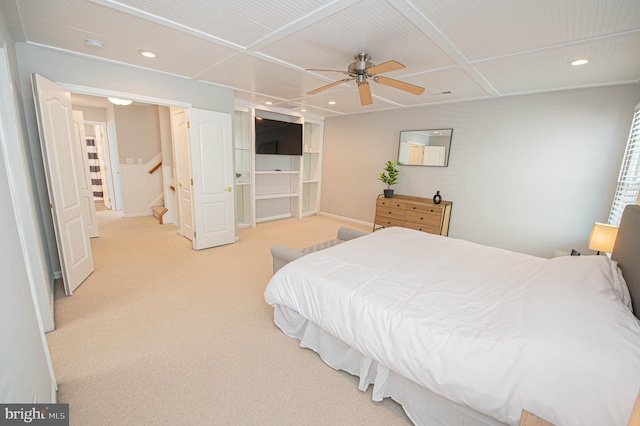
{"x": 391, "y": 213}
{"x": 431, "y": 229}
{"x": 412, "y": 207}
{"x": 390, "y": 202}
{"x": 388, "y": 221}
{"x": 424, "y": 218}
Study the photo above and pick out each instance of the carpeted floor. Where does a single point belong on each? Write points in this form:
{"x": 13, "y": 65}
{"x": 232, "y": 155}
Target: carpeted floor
{"x": 163, "y": 334}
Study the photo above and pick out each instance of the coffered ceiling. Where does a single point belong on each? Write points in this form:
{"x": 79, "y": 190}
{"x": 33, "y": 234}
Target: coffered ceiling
{"x": 456, "y": 49}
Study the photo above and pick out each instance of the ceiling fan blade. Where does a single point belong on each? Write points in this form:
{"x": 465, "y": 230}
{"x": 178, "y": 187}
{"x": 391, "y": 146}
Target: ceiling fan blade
{"x": 365, "y": 93}
{"x": 321, "y": 70}
{"x": 385, "y": 67}
{"x": 416, "y": 90}
{"x": 328, "y": 86}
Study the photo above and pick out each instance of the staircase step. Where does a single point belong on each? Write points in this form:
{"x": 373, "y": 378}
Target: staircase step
{"x": 157, "y": 210}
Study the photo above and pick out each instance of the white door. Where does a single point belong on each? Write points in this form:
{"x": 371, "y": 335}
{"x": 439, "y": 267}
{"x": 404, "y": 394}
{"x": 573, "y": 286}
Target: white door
{"x": 434, "y": 155}
{"x": 181, "y": 156}
{"x": 104, "y": 159}
{"x": 85, "y": 186}
{"x": 117, "y": 202}
{"x": 63, "y": 170}
{"x": 212, "y": 171}
{"x": 416, "y": 154}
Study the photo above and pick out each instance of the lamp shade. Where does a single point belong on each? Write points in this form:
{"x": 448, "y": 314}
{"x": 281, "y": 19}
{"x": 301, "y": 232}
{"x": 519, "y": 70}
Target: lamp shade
{"x": 603, "y": 237}
{"x": 118, "y": 101}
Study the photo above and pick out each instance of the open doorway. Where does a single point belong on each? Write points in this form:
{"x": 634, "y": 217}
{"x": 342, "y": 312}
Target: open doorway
{"x": 129, "y": 153}
{"x": 170, "y": 162}
{"x": 210, "y": 161}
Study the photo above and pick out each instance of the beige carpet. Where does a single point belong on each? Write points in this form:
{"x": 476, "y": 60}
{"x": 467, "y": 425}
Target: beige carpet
{"x": 162, "y": 334}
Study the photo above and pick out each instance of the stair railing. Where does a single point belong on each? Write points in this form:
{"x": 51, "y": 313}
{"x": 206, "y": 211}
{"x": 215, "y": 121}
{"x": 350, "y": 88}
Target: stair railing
{"x": 156, "y": 167}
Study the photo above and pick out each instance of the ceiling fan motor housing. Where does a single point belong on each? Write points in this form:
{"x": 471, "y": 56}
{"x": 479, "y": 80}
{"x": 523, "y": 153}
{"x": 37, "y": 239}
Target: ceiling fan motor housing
{"x": 362, "y": 63}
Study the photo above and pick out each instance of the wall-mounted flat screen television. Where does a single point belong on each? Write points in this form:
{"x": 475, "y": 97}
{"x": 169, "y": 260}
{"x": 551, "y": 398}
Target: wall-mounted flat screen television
{"x": 278, "y": 137}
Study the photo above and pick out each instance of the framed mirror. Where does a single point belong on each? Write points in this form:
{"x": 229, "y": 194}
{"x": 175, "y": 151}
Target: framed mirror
{"x": 425, "y": 147}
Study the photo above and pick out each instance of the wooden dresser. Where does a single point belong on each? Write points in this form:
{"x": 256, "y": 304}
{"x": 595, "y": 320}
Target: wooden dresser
{"x": 413, "y": 212}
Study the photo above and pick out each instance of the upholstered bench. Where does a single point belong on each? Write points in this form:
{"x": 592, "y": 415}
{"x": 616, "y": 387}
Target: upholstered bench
{"x": 283, "y": 255}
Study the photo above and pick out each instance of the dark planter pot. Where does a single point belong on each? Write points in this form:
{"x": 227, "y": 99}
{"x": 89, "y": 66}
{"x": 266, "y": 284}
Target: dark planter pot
{"x": 388, "y": 193}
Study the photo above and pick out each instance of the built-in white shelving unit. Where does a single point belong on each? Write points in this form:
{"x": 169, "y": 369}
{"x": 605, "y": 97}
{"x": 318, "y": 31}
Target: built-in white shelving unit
{"x": 277, "y": 191}
{"x": 243, "y": 147}
{"x": 311, "y": 168}
{"x": 271, "y": 187}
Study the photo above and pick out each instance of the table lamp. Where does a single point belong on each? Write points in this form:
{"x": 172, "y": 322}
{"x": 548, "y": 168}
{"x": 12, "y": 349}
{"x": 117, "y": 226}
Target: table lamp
{"x": 603, "y": 237}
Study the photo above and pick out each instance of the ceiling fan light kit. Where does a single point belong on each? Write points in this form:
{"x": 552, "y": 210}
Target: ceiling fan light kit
{"x": 362, "y": 70}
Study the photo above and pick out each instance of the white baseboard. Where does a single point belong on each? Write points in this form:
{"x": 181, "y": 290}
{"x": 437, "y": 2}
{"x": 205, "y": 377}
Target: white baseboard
{"x": 347, "y": 219}
{"x": 270, "y": 218}
{"x": 54, "y": 392}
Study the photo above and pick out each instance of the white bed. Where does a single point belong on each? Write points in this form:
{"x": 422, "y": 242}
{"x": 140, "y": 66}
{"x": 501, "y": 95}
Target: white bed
{"x": 460, "y": 333}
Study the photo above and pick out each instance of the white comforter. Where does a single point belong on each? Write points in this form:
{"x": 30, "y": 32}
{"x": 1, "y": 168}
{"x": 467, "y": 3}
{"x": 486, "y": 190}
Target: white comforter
{"x": 492, "y": 329}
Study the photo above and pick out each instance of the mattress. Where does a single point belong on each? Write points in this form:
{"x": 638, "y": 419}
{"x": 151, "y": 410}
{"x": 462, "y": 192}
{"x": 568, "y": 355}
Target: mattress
{"x": 488, "y": 329}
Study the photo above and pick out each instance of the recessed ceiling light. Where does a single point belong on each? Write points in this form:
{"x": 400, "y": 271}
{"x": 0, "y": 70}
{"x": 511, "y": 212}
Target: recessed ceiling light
{"x": 269, "y": 103}
{"x": 580, "y": 62}
{"x": 118, "y": 101}
{"x": 303, "y": 110}
{"x": 332, "y": 102}
{"x": 92, "y": 42}
{"x": 148, "y": 53}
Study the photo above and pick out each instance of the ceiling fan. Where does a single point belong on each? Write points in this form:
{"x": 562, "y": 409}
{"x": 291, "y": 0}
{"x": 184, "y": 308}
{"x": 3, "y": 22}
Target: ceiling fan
{"x": 361, "y": 70}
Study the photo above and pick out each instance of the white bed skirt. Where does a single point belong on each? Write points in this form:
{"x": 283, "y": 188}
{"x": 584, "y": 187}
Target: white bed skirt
{"x": 422, "y": 406}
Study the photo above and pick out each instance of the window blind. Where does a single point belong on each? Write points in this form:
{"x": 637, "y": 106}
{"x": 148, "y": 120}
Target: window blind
{"x": 629, "y": 178}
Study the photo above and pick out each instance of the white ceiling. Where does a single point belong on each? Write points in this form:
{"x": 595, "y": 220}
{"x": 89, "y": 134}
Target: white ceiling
{"x": 473, "y": 49}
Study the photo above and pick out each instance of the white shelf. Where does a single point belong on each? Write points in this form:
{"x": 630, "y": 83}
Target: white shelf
{"x": 311, "y": 181}
{"x": 242, "y": 183}
{"x": 272, "y": 196}
{"x": 276, "y": 172}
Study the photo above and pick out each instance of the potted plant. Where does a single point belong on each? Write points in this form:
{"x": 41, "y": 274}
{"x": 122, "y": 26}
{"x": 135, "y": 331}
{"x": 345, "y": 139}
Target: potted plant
{"x": 390, "y": 177}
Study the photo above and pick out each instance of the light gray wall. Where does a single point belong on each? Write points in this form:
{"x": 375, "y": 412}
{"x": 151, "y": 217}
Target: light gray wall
{"x": 43, "y": 221}
{"x": 138, "y": 132}
{"x": 527, "y": 173}
{"x": 91, "y": 113}
{"x": 24, "y": 371}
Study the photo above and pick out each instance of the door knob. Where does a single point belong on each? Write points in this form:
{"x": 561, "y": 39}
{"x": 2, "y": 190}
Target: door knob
{"x": 228, "y": 189}
{"x": 179, "y": 184}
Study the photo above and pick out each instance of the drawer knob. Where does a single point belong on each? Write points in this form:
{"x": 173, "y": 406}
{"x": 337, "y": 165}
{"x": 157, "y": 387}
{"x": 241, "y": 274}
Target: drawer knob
{"x": 422, "y": 218}
{"x": 414, "y": 208}
{"x": 431, "y": 210}
{"x": 397, "y": 205}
